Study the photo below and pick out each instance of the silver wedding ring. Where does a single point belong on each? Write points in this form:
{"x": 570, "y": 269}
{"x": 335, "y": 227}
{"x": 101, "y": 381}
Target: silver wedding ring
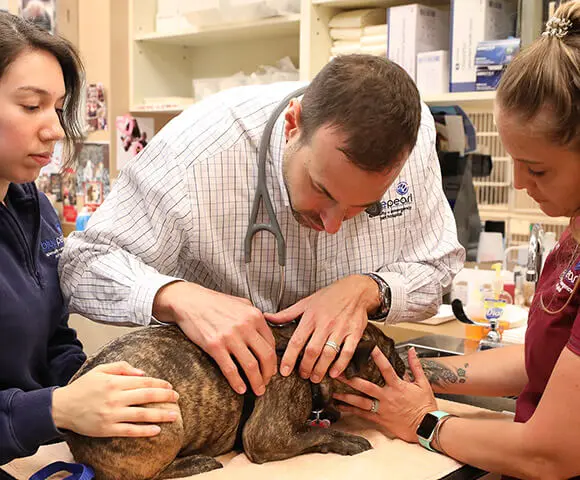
{"x": 333, "y": 345}
{"x": 375, "y": 406}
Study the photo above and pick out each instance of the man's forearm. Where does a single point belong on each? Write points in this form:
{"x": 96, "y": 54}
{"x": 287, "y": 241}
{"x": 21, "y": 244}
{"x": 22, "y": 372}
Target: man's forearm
{"x": 497, "y": 372}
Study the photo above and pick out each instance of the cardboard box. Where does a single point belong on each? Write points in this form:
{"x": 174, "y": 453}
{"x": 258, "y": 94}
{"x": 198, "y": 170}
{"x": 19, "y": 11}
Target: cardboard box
{"x": 474, "y": 21}
{"x": 491, "y": 60}
{"x": 414, "y": 29}
{"x": 433, "y": 72}
{"x": 496, "y": 52}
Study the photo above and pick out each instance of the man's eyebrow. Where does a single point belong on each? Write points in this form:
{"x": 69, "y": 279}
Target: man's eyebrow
{"x": 524, "y": 160}
{"x": 327, "y": 193}
{"x": 39, "y": 91}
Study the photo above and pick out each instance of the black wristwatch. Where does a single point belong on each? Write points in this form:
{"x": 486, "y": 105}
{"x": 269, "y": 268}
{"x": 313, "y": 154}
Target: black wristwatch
{"x": 384, "y": 297}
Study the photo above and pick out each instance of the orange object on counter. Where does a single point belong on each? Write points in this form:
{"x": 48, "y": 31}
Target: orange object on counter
{"x": 477, "y": 332}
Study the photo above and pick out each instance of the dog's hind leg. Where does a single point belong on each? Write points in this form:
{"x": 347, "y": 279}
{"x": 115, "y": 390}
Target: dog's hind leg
{"x": 187, "y": 466}
{"x": 261, "y": 449}
{"x": 277, "y": 427}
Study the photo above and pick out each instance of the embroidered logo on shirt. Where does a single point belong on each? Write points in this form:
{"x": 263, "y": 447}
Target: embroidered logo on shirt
{"x": 393, "y": 208}
{"x": 52, "y": 247}
{"x": 567, "y": 280}
{"x": 402, "y": 188}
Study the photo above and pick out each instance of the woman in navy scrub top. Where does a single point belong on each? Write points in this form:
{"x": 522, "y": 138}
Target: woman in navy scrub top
{"x": 40, "y": 87}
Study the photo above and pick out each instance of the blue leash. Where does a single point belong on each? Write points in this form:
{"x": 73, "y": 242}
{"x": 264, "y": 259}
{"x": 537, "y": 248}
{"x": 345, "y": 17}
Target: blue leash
{"x": 79, "y": 471}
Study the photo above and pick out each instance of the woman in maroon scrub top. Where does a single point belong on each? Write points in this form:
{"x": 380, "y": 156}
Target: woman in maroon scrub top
{"x": 538, "y": 118}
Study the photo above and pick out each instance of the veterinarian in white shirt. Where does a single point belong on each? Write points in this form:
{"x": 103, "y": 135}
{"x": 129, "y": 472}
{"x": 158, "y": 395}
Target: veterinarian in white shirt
{"x": 180, "y": 210}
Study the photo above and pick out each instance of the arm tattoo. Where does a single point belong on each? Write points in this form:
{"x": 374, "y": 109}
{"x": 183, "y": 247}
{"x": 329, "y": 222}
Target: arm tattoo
{"x": 439, "y": 374}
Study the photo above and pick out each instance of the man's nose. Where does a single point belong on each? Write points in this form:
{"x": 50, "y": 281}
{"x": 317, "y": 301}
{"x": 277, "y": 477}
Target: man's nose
{"x": 332, "y": 219}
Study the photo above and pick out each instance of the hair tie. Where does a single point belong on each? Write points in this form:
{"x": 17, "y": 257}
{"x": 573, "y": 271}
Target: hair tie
{"x": 557, "y": 27}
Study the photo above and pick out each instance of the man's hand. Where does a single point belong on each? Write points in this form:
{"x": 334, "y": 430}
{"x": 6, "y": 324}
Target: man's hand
{"x": 337, "y": 313}
{"x": 223, "y": 326}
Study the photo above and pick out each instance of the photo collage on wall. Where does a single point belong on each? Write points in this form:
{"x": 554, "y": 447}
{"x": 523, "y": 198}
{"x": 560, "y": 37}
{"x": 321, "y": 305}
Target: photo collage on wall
{"x": 88, "y": 185}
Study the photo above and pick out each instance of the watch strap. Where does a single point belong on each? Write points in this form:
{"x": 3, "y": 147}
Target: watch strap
{"x": 384, "y": 297}
{"x": 426, "y": 442}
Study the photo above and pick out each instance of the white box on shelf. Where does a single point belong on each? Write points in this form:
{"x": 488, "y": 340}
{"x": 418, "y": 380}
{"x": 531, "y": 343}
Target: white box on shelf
{"x": 167, "y": 8}
{"x": 415, "y": 29}
{"x": 202, "y": 13}
{"x": 186, "y": 6}
{"x": 474, "y": 21}
{"x": 176, "y": 23}
{"x": 433, "y": 72}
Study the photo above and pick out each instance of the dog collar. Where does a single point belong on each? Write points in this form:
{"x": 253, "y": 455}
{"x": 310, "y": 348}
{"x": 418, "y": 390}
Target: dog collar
{"x": 315, "y": 419}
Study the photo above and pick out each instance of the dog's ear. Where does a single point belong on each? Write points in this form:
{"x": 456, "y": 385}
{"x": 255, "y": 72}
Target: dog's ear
{"x": 361, "y": 357}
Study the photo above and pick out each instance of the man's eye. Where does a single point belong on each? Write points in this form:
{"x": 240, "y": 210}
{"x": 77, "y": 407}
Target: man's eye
{"x": 535, "y": 173}
{"x": 30, "y": 108}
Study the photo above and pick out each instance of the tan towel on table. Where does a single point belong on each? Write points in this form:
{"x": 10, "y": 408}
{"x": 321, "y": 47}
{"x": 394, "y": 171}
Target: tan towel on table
{"x": 390, "y": 458}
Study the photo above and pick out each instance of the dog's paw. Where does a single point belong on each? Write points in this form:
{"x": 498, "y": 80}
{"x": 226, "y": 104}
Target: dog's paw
{"x": 350, "y": 445}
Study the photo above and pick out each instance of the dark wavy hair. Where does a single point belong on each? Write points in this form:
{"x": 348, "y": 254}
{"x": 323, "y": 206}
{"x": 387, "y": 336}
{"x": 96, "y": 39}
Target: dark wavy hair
{"x": 17, "y": 36}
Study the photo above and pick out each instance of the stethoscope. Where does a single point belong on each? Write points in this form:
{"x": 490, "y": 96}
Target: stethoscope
{"x": 262, "y": 194}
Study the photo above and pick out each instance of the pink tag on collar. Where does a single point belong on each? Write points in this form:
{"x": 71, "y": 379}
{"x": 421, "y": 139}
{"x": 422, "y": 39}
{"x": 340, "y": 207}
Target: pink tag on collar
{"x": 319, "y": 422}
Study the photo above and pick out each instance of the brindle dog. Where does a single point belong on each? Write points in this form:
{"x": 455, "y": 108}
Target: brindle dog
{"x": 211, "y": 412}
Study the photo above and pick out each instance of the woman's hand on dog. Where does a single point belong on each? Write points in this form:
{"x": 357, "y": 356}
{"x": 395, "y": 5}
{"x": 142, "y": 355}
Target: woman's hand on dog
{"x": 224, "y": 326}
{"x": 105, "y": 402}
{"x": 337, "y": 314}
{"x": 402, "y": 403}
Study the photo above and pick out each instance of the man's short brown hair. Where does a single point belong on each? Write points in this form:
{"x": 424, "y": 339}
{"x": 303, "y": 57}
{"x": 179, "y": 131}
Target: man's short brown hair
{"x": 371, "y": 100}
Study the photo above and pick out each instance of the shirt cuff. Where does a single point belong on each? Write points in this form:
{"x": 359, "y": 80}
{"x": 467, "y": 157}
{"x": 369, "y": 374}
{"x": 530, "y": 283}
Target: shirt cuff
{"x": 143, "y": 295}
{"x": 32, "y": 420}
{"x": 398, "y": 295}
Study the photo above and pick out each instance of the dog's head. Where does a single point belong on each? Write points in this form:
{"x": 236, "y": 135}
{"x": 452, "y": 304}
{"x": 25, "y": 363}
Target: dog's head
{"x": 362, "y": 365}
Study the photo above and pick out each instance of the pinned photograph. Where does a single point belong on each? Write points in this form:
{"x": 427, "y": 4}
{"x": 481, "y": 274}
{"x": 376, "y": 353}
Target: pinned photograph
{"x": 96, "y": 107}
{"x": 93, "y": 193}
{"x": 132, "y": 136}
{"x": 69, "y": 195}
{"x": 93, "y": 168}
{"x": 40, "y": 12}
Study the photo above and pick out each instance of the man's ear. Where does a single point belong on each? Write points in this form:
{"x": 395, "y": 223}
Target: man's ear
{"x": 293, "y": 119}
{"x": 361, "y": 357}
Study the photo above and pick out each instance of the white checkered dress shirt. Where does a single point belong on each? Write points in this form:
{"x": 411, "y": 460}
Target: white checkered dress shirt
{"x": 180, "y": 210}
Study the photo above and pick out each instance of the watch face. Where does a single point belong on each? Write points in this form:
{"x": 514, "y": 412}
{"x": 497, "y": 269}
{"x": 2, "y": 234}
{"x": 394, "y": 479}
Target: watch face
{"x": 427, "y": 425}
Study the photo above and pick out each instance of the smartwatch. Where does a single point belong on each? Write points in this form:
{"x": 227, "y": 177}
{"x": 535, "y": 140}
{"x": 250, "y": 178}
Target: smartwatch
{"x": 426, "y": 430}
{"x": 384, "y": 297}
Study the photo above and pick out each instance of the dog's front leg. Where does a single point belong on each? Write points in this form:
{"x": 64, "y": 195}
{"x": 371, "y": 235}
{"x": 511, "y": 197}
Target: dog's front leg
{"x": 277, "y": 427}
